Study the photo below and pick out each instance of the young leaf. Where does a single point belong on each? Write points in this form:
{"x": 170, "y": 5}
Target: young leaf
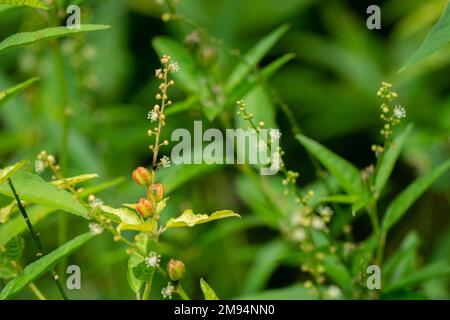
{"x": 142, "y": 242}
{"x": 17, "y": 225}
{"x": 254, "y": 56}
{"x": 34, "y": 189}
{"x": 188, "y": 75}
{"x": 142, "y": 272}
{"x": 435, "y": 270}
{"x": 124, "y": 215}
{"x": 404, "y": 200}
{"x": 6, "y": 211}
{"x": 7, "y": 172}
{"x": 148, "y": 227}
{"x": 347, "y": 175}
{"x": 8, "y": 93}
{"x": 14, "y": 248}
{"x": 24, "y": 38}
{"x": 36, "y": 269}
{"x": 189, "y": 219}
{"x": 39, "y": 4}
{"x": 438, "y": 37}
{"x": 74, "y": 180}
{"x": 208, "y": 292}
{"x": 388, "y": 159}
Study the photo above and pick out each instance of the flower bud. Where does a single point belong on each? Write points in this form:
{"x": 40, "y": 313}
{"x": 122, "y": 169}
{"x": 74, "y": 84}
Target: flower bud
{"x": 175, "y": 270}
{"x": 156, "y": 192}
{"x": 141, "y": 176}
{"x": 144, "y": 207}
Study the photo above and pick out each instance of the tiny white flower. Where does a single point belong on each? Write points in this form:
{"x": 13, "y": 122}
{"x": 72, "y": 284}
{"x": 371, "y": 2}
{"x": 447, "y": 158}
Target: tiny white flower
{"x": 164, "y": 162}
{"x": 152, "y": 115}
{"x": 317, "y": 223}
{"x": 324, "y": 211}
{"x": 158, "y": 73}
{"x": 153, "y": 260}
{"x": 96, "y": 203}
{"x": 332, "y": 292}
{"x": 39, "y": 166}
{"x": 277, "y": 162}
{"x": 399, "y": 112}
{"x": 173, "y": 67}
{"x": 275, "y": 134}
{"x": 262, "y": 145}
{"x": 168, "y": 291}
{"x": 95, "y": 228}
{"x": 298, "y": 235}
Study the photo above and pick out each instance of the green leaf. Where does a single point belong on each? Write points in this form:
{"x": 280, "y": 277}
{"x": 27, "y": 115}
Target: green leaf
{"x": 437, "y": 38}
{"x": 34, "y": 189}
{"x": 6, "y": 7}
{"x": 142, "y": 243}
{"x": 208, "y": 292}
{"x": 17, "y": 225}
{"x": 36, "y": 269}
{"x": 189, "y": 219}
{"x": 188, "y": 75}
{"x": 338, "y": 273}
{"x": 341, "y": 198}
{"x": 435, "y": 270}
{"x": 404, "y": 200}
{"x": 14, "y": 248}
{"x": 28, "y": 3}
{"x": 7, "y": 172}
{"x": 7, "y": 271}
{"x": 102, "y": 186}
{"x": 8, "y": 93}
{"x": 63, "y": 183}
{"x": 148, "y": 227}
{"x": 6, "y": 211}
{"x": 348, "y": 176}
{"x": 252, "y": 58}
{"x": 388, "y": 159}
{"x": 143, "y": 273}
{"x": 124, "y": 215}
{"x": 24, "y": 38}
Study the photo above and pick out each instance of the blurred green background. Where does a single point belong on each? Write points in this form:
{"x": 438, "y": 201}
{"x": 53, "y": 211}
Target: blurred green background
{"x": 330, "y": 86}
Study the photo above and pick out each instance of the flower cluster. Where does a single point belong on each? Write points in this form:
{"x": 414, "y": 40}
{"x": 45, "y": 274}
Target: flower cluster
{"x": 390, "y": 114}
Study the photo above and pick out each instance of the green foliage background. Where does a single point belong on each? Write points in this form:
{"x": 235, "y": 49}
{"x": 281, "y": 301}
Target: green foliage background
{"x": 330, "y": 86}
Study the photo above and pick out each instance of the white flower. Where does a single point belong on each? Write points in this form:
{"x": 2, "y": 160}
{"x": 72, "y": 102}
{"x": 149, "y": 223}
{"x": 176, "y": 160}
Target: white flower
{"x": 39, "y": 166}
{"x": 317, "y": 223}
{"x": 399, "y": 112}
{"x": 275, "y": 134}
{"x": 324, "y": 211}
{"x": 96, "y": 203}
{"x": 95, "y": 228}
{"x": 152, "y": 115}
{"x": 173, "y": 67}
{"x": 164, "y": 162}
{"x": 262, "y": 145}
{"x": 277, "y": 162}
{"x": 158, "y": 73}
{"x": 168, "y": 291}
{"x": 153, "y": 260}
{"x": 332, "y": 292}
{"x": 298, "y": 234}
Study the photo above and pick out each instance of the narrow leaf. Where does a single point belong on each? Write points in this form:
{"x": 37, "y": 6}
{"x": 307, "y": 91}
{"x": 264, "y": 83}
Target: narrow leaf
{"x": 388, "y": 159}
{"x": 36, "y": 269}
{"x": 24, "y": 38}
{"x": 189, "y": 219}
{"x": 253, "y": 57}
{"x": 208, "y": 292}
{"x": 404, "y": 200}
{"x": 437, "y": 38}
{"x": 347, "y": 175}
{"x": 39, "y": 4}
{"x": 62, "y": 183}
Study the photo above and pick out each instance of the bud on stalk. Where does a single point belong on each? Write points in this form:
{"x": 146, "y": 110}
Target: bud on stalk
{"x": 175, "y": 270}
{"x": 156, "y": 192}
{"x": 141, "y": 176}
{"x": 144, "y": 207}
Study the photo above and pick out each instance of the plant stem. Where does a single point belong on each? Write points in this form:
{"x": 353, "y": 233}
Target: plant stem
{"x": 36, "y": 291}
{"x": 180, "y": 291}
{"x": 148, "y": 288}
{"x": 37, "y": 241}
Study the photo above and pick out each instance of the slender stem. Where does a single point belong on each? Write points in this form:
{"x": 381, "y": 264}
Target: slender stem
{"x": 180, "y": 291}
{"x": 148, "y": 288}
{"x": 37, "y": 241}
{"x": 36, "y": 291}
